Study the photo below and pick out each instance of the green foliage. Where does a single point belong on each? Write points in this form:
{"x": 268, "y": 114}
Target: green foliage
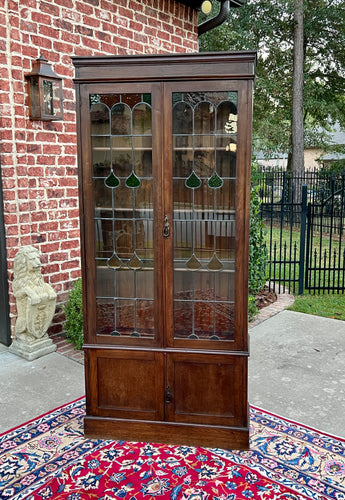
{"x": 257, "y": 248}
{"x": 336, "y": 168}
{"x": 252, "y": 307}
{"x": 268, "y": 28}
{"x": 74, "y": 316}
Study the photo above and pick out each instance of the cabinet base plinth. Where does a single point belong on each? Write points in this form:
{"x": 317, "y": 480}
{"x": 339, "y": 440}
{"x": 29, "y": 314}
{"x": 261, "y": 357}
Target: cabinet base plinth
{"x": 167, "y": 432}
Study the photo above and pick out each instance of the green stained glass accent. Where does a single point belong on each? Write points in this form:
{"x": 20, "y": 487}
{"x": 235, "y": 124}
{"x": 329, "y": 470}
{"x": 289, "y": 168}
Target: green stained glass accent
{"x": 215, "y": 264}
{"x": 193, "y": 263}
{"x": 112, "y": 181}
{"x": 115, "y": 333}
{"x": 193, "y": 181}
{"x": 215, "y": 181}
{"x": 133, "y": 181}
{"x": 114, "y": 262}
{"x": 135, "y": 263}
{"x": 147, "y": 98}
{"x": 135, "y": 334}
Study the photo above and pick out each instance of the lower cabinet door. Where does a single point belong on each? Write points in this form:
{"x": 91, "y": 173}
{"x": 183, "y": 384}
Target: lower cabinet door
{"x": 126, "y": 384}
{"x": 206, "y": 389}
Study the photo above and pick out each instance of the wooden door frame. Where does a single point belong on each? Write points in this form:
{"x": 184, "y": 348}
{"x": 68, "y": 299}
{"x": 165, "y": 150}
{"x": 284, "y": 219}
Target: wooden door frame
{"x": 5, "y": 331}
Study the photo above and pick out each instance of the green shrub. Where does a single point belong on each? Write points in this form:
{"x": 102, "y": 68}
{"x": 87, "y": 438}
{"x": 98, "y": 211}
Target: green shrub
{"x": 252, "y": 307}
{"x": 257, "y": 248}
{"x": 74, "y": 316}
{"x": 257, "y": 253}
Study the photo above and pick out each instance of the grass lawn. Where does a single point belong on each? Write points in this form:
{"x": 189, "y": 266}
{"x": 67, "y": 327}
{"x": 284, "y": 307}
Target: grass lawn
{"x": 284, "y": 260}
{"x": 327, "y": 305}
{"x": 285, "y": 235}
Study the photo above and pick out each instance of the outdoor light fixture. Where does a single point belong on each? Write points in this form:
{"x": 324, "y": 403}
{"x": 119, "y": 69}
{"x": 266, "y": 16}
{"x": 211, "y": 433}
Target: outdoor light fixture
{"x": 206, "y": 7}
{"x": 45, "y": 92}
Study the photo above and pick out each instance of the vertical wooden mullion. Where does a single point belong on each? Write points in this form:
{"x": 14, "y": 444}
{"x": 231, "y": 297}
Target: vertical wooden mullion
{"x": 158, "y": 211}
{"x": 167, "y": 203}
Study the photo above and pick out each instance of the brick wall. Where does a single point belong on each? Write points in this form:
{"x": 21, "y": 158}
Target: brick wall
{"x": 38, "y": 159}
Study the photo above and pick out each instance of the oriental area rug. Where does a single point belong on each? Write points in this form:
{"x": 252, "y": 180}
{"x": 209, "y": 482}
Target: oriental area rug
{"x": 49, "y": 458}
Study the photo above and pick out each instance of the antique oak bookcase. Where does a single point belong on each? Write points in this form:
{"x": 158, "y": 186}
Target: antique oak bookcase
{"x": 164, "y": 160}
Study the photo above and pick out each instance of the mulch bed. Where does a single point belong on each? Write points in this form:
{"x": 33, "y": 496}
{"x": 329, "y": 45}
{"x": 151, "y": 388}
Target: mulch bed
{"x": 265, "y": 298}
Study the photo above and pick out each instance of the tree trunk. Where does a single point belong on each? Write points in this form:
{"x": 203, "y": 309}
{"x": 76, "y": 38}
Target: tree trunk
{"x": 297, "y": 123}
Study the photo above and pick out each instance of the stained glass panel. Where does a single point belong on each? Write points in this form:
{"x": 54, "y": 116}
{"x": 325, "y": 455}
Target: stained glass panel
{"x": 121, "y": 145}
{"x": 204, "y": 178}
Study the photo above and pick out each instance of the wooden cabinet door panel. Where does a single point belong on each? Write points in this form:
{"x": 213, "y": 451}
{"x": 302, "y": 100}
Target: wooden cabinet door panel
{"x": 206, "y": 389}
{"x": 129, "y": 384}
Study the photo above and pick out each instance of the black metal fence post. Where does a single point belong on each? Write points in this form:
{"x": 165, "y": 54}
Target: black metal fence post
{"x": 302, "y": 240}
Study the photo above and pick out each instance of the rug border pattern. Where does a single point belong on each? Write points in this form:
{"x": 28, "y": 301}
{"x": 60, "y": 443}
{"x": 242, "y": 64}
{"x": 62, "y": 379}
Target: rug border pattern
{"x": 304, "y": 484}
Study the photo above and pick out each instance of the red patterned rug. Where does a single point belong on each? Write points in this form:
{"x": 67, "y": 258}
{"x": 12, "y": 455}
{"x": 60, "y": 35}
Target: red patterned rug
{"x": 49, "y": 458}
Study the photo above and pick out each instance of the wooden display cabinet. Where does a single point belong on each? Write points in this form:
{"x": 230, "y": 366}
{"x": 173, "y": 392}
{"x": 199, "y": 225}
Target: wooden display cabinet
{"x": 164, "y": 162}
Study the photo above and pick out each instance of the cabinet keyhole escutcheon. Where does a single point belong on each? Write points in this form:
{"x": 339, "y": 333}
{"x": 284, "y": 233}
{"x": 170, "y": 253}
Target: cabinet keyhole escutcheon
{"x": 166, "y": 227}
{"x": 168, "y": 395}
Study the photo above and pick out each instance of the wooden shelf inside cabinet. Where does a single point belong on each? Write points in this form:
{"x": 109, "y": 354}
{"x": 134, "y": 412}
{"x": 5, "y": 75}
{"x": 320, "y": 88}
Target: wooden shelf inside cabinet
{"x": 166, "y": 345}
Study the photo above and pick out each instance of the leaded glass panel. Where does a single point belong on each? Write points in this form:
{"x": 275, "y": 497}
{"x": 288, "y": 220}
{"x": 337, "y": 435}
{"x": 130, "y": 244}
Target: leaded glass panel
{"x": 121, "y": 142}
{"x": 204, "y": 178}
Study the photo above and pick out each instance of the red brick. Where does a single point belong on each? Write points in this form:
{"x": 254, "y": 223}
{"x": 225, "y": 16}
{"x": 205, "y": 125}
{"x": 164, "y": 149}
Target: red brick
{"x": 42, "y": 42}
{"x": 68, "y": 224}
{"x": 69, "y": 264}
{"x": 64, "y": 25}
{"x": 50, "y": 247}
{"x": 11, "y": 219}
{"x": 91, "y": 21}
{"x": 36, "y": 171}
{"x": 55, "y": 193}
{"x": 60, "y": 277}
{"x": 63, "y": 47}
{"x": 57, "y": 235}
{"x": 46, "y": 160}
{"x": 52, "y": 149}
{"x": 24, "y": 218}
{"x": 72, "y": 38}
{"x": 48, "y": 226}
{"x": 27, "y": 206}
{"x": 75, "y": 274}
{"x": 70, "y": 244}
{"x": 84, "y": 8}
{"x": 50, "y": 268}
{"x": 38, "y": 216}
{"x": 49, "y": 8}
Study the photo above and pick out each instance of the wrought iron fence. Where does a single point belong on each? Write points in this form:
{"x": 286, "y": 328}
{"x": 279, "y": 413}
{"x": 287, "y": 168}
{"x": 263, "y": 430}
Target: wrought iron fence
{"x": 304, "y": 218}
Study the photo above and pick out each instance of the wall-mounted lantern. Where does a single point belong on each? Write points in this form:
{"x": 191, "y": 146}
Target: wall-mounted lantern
{"x": 45, "y": 92}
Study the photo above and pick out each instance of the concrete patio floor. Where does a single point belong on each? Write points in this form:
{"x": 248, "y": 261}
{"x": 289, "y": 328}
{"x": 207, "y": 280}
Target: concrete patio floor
{"x": 296, "y": 370}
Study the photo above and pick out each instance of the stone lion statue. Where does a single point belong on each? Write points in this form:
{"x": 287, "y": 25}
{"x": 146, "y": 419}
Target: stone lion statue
{"x": 36, "y": 299}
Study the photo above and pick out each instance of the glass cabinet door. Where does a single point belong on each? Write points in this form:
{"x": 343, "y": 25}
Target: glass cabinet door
{"x": 122, "y": 187}
{"x": 204, "y": 138}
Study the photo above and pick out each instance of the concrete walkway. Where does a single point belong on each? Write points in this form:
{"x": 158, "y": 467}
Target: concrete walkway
{"x": 30, "y": 388}
{"x": 296, "y": 370}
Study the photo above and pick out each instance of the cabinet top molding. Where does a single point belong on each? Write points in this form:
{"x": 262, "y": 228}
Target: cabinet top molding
{"x": 165, "y": 67}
